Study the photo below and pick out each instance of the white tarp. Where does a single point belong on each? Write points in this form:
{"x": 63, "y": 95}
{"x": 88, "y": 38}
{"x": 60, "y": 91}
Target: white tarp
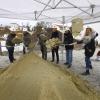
{"x": 51, "y": 10}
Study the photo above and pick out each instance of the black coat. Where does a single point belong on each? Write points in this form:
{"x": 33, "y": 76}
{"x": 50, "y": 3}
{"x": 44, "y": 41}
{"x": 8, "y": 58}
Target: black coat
{"x": 90, "y": 48}
{"x": 68, "y": 39}
{"x": 26, "y": 39}
{"x": 10, "y": 39}
{"x": 55, "y": 34}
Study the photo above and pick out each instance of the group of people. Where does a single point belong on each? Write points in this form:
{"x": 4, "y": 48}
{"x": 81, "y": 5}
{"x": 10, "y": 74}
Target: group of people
{"x": 10, "y": 44}
{"x": 89, "y": 46}
{"x": 42, "y": 41}
{"x": 88, "y": 40}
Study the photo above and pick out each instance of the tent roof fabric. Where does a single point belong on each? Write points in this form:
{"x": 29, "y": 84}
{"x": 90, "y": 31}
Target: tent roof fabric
{"x": 51, "y": 10}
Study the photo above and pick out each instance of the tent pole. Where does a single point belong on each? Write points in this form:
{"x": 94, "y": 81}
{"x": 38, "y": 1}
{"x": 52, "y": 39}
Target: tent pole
{"x": 43, "y": 9}
{"x": 35, "y": 12}
{"x": 77, "y": 7}
{"x": 43, "y": 3}
{"x": 63, "y": 22}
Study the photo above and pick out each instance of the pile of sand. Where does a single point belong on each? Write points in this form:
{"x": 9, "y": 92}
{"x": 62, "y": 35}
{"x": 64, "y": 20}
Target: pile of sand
{"x": 32, "y": 78}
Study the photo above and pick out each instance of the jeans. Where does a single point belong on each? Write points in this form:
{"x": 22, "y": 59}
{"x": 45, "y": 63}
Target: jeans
{"x": 69, "y": 56}
{"x": 88, "y": 62}
{"x": 11, "y": 53}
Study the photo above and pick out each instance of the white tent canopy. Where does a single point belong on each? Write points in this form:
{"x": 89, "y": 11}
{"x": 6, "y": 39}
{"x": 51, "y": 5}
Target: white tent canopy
{"x": 51, "y": 10}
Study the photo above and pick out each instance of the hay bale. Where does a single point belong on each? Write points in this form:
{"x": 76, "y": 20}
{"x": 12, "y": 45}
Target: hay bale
{"x": 17, "y": 40}
{"x": 53, "y": 43}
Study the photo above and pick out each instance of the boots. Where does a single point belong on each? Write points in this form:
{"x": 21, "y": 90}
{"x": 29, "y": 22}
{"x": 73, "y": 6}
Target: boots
{"x": 86, "y": 73}
{"x": 66, "y": 63}
{"x": 91, "y": 67}
{"x": 68, "y": 66}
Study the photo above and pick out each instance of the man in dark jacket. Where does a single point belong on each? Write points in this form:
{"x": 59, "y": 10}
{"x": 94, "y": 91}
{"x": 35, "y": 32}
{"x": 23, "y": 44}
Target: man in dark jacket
{"x": 68, "y": 41}
{"x": 10, "y": 46}
{"x": 42, "y": 42}
{"x": 26, "y": 41}
{"x": 55, "y": 34}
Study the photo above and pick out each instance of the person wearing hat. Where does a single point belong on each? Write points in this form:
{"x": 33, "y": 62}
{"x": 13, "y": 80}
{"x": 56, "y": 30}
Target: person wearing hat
{"x": 10, "y": 46}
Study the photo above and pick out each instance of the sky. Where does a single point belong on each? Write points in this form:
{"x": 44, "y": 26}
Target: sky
{"x": 6, "y": 21}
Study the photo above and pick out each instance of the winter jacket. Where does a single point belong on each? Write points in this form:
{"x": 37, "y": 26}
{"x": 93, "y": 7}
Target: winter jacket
{"x": 26, "y": 39}
{"x": 68, "y": 39}
{"x": 42, "y": 39}
{"x": 90, "y": 48}
{"x": 55, "y": 34}
{"x": 10, "y": 39}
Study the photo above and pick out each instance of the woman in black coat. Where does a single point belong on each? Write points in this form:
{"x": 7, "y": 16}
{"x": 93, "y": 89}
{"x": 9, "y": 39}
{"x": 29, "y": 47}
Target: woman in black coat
{"x": 89, "y": 49}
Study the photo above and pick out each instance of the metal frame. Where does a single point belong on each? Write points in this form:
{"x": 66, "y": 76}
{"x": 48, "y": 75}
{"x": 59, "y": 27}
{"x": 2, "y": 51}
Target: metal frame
{"x": 57, "y": 4}
{"x": 43, "y": 3}
{"x": 55, "y": 7}
{"x": 48, "y": 7}
{"x": 76, "y": 15}
{"x": 54, "y": 18}
{"x": 77, "y": 7}
{"x": 43, "y": 9}
{"x": 6, "y": 10}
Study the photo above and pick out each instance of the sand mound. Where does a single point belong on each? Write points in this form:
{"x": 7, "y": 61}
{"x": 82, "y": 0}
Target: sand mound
{"x": 35, "y": 79}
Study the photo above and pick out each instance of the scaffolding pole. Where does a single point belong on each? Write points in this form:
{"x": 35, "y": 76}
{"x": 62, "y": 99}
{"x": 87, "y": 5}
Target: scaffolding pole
{"x": 63, "y": 22}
